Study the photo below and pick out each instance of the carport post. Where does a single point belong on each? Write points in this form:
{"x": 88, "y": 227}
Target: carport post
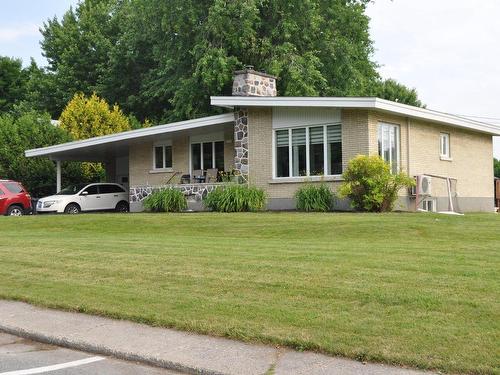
{"x": 58, "y": 176}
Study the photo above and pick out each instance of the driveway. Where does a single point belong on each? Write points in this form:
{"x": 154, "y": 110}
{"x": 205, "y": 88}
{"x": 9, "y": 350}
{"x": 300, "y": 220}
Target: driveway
{"x": 19, "y": 356}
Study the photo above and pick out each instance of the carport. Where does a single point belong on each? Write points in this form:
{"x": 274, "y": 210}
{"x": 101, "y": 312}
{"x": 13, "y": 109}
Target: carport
{"x": 113, "y": 150}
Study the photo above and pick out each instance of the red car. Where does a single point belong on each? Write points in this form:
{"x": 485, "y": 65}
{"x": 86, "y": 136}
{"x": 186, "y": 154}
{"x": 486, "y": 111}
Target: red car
{"x": 14, "y": 199}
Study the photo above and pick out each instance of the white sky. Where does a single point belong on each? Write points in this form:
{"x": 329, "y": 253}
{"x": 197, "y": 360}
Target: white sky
{"x": 449, "y": 50}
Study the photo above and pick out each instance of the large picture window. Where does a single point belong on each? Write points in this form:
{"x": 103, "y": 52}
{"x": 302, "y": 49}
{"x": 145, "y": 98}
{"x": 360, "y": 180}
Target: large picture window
{"x": 207, "y": 155}
{"x": 308, "y": 151}
{"x": 388, "y": 145}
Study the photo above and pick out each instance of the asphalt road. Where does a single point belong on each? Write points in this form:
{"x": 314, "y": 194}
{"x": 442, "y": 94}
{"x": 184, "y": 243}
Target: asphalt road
{"x": 19, "y": 356}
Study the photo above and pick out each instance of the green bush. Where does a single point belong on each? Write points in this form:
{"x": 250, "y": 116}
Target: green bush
{"x": 236, "y": 198}
{"x": 317, "y": 198}
{"x": 370, "y": 185}
{"x": 167, "y": 200}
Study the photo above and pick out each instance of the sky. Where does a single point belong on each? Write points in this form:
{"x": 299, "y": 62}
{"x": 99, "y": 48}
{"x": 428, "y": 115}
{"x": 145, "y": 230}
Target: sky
{"x": 448, "y": 49}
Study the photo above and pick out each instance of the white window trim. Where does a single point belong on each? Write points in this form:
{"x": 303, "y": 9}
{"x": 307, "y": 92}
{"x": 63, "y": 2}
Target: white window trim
{"x": 397, "y": 127}
{"x": 164, "y": 169}
{"x": 445, "y": 156}
{"x": 201, "y": 142}
{"x": 308, "y": 177}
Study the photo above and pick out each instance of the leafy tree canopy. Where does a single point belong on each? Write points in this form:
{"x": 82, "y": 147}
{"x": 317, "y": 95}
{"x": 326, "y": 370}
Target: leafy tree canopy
{"x": 86, "y": 117}
{"x": 496, "y": 164}
{"x": 163, "y": 59}
{"x": 31, "y": 129}
{"x": 12, "y": 83}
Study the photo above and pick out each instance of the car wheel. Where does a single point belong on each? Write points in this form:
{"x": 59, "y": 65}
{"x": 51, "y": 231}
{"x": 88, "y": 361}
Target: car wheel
{"x": 122, "y": 207}
{"x": 15, "y": 211}
{"x": 72, "y": 209}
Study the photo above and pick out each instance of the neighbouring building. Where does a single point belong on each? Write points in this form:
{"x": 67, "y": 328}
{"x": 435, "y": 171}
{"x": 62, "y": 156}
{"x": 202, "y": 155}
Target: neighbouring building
{"x": 280, "y": 143}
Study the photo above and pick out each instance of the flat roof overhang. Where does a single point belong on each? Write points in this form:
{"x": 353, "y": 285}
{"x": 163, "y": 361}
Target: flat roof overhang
{"x": 100, "y": 149}
{"x": 357, "y": 102}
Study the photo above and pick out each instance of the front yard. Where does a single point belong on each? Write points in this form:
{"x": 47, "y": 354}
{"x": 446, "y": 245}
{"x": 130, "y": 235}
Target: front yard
{"x": 412, "y": 289}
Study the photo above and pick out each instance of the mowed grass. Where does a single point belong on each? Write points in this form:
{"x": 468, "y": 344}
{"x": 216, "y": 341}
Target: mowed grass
{"x": 409, "y": 289}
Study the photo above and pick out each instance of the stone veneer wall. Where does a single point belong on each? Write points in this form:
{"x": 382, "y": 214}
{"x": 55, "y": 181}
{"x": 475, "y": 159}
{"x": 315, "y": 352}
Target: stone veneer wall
{"x": 241, "y": 142}
{"x": 197, "y": 191}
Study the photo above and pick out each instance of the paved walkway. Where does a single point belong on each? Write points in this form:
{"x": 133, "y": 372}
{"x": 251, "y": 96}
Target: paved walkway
{"x": 175, "y": 350}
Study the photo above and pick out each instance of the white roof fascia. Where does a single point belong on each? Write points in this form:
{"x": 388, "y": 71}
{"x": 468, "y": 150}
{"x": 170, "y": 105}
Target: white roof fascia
{"x": 357, "y": 102}
{"x": 132, "y": 134}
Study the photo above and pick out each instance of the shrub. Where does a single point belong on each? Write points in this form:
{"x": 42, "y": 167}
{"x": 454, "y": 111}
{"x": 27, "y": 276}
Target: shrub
{"x": 314, "y": 198}
{"x": 371, "y": 186}
{"x": 167, "y": 200}
{"x": 235, "y": 198}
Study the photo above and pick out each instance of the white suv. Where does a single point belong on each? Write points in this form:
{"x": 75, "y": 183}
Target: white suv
{"x": 86, "y": 197}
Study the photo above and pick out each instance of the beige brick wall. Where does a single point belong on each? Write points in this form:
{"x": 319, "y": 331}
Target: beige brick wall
{"x": 471, "y": 153}
{"x": 354, "y": 142}
{"x": 141, "y": 162}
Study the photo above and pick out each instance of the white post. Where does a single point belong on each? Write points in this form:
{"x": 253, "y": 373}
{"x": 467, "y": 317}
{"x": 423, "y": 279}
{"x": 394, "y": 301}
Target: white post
{"x": 58, "y": 176}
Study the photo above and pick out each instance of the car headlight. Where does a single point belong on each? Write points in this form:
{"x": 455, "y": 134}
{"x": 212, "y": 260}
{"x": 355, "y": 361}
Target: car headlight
{"x": 48, "y": 204}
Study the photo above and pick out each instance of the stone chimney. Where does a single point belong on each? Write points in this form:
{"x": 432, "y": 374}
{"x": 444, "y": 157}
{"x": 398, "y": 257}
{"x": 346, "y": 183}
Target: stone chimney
{"x": 249, "y": 82}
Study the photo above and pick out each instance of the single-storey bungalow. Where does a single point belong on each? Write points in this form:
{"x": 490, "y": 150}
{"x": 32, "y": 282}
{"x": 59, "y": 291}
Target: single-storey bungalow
{"x": 281, "y": 143}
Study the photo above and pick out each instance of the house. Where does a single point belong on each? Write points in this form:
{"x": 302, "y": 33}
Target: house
{"x": 281, "y": 143}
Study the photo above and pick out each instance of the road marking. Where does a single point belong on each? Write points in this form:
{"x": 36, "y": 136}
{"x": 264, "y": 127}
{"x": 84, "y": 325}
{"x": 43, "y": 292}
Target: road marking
{"x": 41, "y": 370}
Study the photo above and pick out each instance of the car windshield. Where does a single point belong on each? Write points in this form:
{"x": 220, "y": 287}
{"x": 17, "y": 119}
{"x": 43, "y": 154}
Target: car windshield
{"x": 72, "y": 189}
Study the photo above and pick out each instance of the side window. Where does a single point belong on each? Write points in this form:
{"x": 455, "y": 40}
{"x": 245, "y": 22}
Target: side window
{"x": 444, "y": 141}
{"x": 91, "y": 190}
{"x": 109, "y": 189}
{"x": 13, "y": 187}
{"x": 1, "y": 192}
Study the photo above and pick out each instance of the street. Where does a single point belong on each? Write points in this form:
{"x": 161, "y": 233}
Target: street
{"x": 19, "y": 356}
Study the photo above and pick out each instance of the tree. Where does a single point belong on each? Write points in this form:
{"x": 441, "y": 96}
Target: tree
{"x": 86, "y": 117}
{"x": 164, "y": 59}
{"x": 26, "y": 131}
{"x": 496, "y": 164}
{"x": 12, "y": 83}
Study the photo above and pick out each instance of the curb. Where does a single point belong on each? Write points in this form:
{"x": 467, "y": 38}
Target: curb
{"x": 96, "y": 349}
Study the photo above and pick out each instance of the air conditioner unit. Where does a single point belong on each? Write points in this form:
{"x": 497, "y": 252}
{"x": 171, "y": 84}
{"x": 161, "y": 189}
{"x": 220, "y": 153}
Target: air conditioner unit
{"x": 424, "y": 185}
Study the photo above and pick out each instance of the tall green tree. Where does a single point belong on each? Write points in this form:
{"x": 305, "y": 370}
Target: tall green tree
{"x": 13, "y": 80}
{"x": 496, "y": 165}
{"x": 28, "y": 130}
{"x": 163, "y": 59}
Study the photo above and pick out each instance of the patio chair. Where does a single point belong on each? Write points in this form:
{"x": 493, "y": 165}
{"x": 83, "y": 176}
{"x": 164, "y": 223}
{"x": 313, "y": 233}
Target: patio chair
{"x": 211, "y": 175}
{"x": 197, "y": 175}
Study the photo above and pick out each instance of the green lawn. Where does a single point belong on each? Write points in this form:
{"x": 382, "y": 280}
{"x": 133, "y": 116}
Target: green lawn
{"x": 412, "y": 289}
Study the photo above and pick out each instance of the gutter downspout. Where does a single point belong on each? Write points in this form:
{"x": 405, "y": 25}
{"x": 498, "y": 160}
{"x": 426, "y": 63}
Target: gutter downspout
{"x": 408, "y": 123}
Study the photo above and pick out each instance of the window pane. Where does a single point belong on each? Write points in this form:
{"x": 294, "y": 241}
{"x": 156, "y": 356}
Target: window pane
{"x": 394, "y": 149}
{"x": 159, "y": 157}
{"x": 386, "y": 144}
{"x": 207, "y": 155}
{"x": 335, "y": 157}
{"x": 282, "y": 156}
{"x": 316, "y": 155}
{"x": 1, "y": 192}
{"x": 196, "y": 156}
{"x": 13, "y": 187}
{"x": 219, "y": 155}
{"x": 299, "y": 152}
{"x": 91, "y": 190}
{"x": 168, "y": 156}
{"x": 334, "y": 138}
